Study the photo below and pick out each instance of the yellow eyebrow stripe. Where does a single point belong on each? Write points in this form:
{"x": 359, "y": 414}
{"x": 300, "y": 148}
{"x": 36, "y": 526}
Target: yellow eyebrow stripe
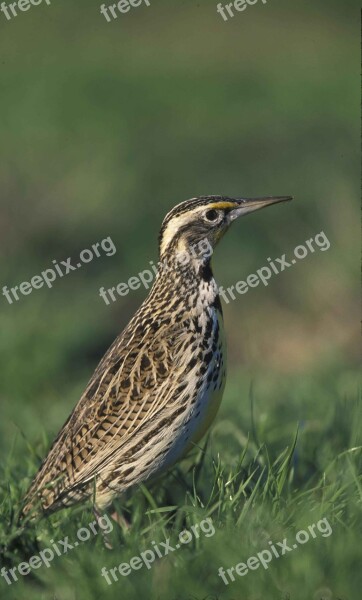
{"x": 222, "y": 205}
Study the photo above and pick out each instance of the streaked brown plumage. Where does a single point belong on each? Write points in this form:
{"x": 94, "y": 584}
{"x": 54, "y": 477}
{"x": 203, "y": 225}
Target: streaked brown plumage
{"x": 159, "y": 385}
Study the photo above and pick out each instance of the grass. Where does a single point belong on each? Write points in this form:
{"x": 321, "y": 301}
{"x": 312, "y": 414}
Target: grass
{"x": 256, "y": 488}
{"x": 106, "y": 127}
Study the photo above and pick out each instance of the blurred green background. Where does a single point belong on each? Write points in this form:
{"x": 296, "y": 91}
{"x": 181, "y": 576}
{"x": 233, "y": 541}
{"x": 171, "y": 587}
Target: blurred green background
{"x": 105, "y": 126}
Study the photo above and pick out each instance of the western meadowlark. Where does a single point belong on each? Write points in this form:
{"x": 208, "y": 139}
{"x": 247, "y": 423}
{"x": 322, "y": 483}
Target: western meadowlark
{"x": 159, "y": 386}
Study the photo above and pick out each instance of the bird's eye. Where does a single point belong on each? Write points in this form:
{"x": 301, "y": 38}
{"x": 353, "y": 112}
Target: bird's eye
{"x": 211, "y": 215}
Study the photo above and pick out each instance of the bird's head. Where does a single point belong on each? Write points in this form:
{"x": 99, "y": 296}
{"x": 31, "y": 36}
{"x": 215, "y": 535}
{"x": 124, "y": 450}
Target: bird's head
{"x": 201, "y": 222}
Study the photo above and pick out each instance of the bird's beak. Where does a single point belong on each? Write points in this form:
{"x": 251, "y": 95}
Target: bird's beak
{"x": 244, "y": 206}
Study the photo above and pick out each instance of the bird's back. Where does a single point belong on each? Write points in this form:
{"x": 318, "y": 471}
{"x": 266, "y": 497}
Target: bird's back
{"x": 149, "y": 399}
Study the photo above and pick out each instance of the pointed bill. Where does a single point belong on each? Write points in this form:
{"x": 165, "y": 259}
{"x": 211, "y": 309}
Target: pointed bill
{"x": 244, "y": 206}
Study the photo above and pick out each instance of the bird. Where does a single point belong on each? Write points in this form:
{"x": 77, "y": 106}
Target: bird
{"x": 158, "y": 388}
